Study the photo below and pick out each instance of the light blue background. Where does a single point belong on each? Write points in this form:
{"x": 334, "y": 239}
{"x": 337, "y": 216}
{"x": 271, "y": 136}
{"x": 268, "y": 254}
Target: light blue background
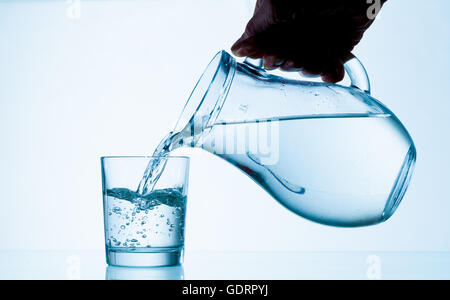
{"x": 113, "y": 83}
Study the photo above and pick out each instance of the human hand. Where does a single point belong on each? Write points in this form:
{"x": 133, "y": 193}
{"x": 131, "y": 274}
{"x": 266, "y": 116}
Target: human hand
{"x": 314, "y": 37}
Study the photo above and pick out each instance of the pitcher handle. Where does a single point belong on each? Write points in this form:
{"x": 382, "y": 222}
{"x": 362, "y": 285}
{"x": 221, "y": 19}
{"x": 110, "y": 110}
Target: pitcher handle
{"x": 358, "y": 74}
{"x": 354, "y": 68}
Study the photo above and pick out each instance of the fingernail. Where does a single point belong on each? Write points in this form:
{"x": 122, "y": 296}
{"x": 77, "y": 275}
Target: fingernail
{"x": 243, "y": 51}
{"x": 238, "y": 43}
{"x": 234, "y": 49}
{"x": 269, "y": 67}
{"x": 278, "y": 62}
{"x": 288, "y": 65}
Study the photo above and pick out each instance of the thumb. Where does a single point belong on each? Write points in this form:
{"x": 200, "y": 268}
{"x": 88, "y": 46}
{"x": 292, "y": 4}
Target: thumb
{"x": 259, "y": 23}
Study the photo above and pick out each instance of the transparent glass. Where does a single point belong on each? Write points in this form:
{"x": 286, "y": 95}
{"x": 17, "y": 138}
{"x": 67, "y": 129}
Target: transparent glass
{"x": 144, "y": 230}
{"x": 162, "y": 273}
{"x": 330, "y": 153}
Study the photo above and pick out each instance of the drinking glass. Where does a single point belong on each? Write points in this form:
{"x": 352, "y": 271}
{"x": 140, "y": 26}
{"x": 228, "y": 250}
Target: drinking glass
{"x": 144, "y": 230}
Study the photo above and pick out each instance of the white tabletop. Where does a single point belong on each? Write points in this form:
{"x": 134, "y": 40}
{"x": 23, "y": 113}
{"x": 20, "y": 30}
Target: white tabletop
{"x": 232, "y": 265}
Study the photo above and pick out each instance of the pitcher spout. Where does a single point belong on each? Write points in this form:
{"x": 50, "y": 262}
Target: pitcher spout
{"x": 207, "y": 98}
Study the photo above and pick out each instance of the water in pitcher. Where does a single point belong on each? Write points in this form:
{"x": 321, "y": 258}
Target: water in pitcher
{"x": 325, "y": 168}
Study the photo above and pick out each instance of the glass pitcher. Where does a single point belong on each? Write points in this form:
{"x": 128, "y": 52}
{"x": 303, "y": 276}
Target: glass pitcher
{"x": 329, "y": 153}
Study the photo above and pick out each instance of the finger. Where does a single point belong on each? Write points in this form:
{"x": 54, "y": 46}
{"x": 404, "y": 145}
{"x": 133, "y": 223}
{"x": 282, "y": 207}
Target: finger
{"x": 258, "y": 5}
{"x": 257, "y": 25}
{"x": 238, "y": 44}
{"x": 307, "y": 74}
{"x": 356, "y": 37}
{"x": 347, "y": 56}
{"x": 249, "y": 48}
{"x": 290, "y": 66}
{"x": 336, "y": 74}
{"x": 313, "y": 67}
{"x": 310, "y": 72}
{"x": 272, "y": 62}
{"x": 263, "y": 18}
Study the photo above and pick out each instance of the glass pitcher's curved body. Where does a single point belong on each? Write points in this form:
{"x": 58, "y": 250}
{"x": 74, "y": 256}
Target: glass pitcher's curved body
{"x": 329, "y": 153}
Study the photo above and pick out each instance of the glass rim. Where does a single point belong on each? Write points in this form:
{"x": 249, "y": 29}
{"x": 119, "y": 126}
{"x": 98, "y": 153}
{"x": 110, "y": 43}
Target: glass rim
{"x": 143, "y": 157}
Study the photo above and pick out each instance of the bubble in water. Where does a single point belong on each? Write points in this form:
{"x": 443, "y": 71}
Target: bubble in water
{"x": 162, "y": 206}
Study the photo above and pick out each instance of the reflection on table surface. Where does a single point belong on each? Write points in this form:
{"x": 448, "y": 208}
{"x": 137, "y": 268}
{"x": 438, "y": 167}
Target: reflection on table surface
{"x": 158, "y": 273}
{"x": 232, "y": 265}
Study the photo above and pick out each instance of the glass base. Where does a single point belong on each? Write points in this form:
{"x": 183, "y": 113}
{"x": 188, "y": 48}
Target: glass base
{"x": 144, "y": 257}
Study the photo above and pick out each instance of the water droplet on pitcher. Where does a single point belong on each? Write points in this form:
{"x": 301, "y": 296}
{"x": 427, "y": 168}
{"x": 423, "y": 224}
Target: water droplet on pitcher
{"x": 243, "y": 108}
